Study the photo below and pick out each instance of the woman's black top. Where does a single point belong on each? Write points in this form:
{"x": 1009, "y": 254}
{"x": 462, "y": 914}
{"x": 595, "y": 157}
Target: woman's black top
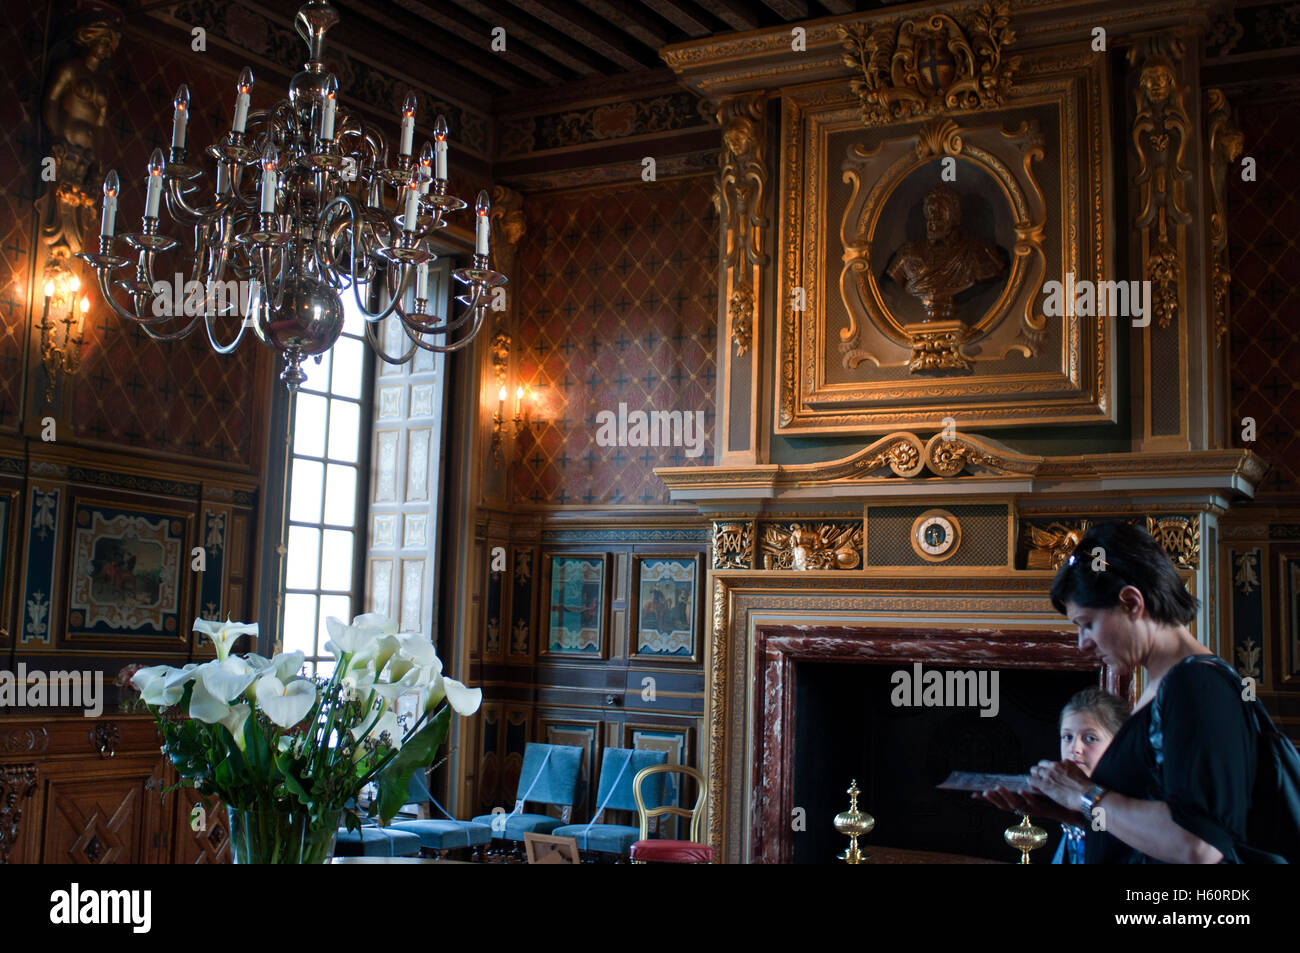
{"x": 1208, "y": 767}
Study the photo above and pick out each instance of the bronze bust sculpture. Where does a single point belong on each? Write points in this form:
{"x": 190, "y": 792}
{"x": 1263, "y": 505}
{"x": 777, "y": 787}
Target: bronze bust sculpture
{"x": 946, "y": 263}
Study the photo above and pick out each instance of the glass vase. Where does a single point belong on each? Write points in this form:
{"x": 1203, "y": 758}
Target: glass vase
{"x": 281, "y": 834}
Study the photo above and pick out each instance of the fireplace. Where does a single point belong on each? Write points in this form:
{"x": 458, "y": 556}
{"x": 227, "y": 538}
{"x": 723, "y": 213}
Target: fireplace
{"x": 846, "y": 726}
{"x": 794, "y": 655}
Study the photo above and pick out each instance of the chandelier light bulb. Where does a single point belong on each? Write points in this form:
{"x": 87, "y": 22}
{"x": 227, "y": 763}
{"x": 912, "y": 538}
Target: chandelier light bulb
{"x": 111, "y": 190}
{"x": 180, "y": 116}
{"x": 270, "y": 178}
{"x": 412, "y": 201}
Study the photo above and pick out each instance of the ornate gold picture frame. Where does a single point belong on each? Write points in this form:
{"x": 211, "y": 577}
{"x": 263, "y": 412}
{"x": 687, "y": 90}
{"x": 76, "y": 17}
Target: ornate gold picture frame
{"x": 877, "y": 332}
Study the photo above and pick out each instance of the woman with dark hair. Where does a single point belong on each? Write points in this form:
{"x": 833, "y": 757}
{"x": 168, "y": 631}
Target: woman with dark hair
{"x": 1175, "y": 784}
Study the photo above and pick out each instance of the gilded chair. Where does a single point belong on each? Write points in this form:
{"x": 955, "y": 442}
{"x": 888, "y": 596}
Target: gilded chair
{"x": 692, "y": 851}
{"x": 549, "y": 776}
{"x": 614, "y": 792}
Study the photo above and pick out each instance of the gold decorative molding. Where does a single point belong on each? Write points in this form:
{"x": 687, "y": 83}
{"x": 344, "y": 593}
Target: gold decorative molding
{"x": 742, "y": 192}
{"x": 803, "y": 547}
{"x": 733, "y": 545}
{"x": 717, "y": 662}
{"x": 1161, "y": 136}
{"x": 1180, "y": 536}
{"x": 1226, "y": 145}
{"x": 17, "y": 783}
{"x": 1049, "y": 546}
{"x": 931, "y": 65}
{"x": 948, "y": 455}
{"x": 500, "y": 356}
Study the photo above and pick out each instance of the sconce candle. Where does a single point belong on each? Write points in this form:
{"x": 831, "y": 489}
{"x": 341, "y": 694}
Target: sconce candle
{"x": 270, "y": 179}
{"x": 111, "y": 188}
{"x": 180, "y": 116}
{"x": 331, "y": 103}
{"x": 408, "y": 124}
{"x": 440, "y": 148}
{"x": 154, "y": 183}
{"x": 243, "y": 88}
{"x": 481, "y": 225}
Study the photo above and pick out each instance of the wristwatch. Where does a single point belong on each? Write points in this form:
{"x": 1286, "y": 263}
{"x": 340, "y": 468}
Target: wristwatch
{"x": 1090, "y": 797}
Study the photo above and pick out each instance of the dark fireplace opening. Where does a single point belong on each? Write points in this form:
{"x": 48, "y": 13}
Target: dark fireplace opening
{"x": 846, "y": 727}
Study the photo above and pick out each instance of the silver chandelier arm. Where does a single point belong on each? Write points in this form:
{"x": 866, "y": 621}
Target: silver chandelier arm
{"x": 372, "y": 337}
{"x": 106, "y": 290}
{"x": 174, "y": 335}
{"x": 228, "y": 348}
{"x": 448, "y": 348}
{"x": 356, "y": 215}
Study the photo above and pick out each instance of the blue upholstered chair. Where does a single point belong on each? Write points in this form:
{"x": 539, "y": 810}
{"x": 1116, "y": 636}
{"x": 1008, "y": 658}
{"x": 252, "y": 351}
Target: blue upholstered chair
{"x": 618, "y": 768}
{"x": 549, "y": 776}
{"x": 375, "y": 841}
{"x": 441, "y": 834}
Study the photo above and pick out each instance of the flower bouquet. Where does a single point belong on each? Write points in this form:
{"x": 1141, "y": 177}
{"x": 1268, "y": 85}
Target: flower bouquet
{"x": 288, "y": 755}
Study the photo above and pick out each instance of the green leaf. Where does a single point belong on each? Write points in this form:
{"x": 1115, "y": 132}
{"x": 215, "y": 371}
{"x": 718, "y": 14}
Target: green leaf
{"x": 285, "y": 764}
{"x": 415, "y": 754}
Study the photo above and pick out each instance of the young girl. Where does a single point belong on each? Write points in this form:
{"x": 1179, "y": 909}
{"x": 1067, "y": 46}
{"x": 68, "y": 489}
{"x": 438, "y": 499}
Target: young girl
{"x": 1089, "y": 721}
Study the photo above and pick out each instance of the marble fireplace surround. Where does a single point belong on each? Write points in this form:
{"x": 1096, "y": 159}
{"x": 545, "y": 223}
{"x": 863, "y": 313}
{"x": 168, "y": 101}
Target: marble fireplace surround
{"x": 765, "y": 623}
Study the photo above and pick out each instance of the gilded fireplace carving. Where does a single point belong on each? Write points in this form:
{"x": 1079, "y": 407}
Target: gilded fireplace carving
{"x": 882, "y": 328}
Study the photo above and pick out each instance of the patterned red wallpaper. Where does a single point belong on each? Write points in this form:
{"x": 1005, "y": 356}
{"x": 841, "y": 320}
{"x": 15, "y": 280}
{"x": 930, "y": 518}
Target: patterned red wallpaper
{"x": 1265, "y": 261}
{"x": 617, "y": 305}
{"x": 179, "y": 398}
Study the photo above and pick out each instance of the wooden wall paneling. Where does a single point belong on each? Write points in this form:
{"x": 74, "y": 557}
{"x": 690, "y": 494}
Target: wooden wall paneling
{"x": 523, "y": 602}
{"x": 582, "y": 733}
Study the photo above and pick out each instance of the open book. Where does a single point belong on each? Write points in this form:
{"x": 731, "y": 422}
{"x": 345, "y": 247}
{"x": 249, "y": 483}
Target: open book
{"x": 974, "y": 781}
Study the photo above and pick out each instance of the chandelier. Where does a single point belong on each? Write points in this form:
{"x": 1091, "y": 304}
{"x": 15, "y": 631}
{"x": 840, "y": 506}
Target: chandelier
{"x": 297, "y": 216}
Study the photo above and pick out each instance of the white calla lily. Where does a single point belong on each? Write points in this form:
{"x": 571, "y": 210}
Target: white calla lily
{"x": 417, "y": 647}
{"x": 463, "y": 700}
{"x": 285, "y": 704}
{"x": 205, "y": 706}
{"x": 378, "y": 652}
{"x": 169, "y": 686}
{"x": 235, "y": 719}
{"x": 227, "y": 679}
{"x": 149, "y": 683}
{"x": 350, "y": 639}
{"x": 224, "y": 634}
{"x": 286, "y": 665}
{"x": 391, "y": 688}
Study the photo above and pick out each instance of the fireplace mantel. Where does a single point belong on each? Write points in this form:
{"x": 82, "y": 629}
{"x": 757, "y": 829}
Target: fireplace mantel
{"x": 902, "y": 466}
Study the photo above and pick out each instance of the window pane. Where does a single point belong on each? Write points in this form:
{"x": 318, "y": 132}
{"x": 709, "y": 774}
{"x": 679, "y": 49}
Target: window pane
{"x": 304, "y": 552}
{"x": 300, "y": 623}
{"x": 341, "y": 495}
{"x": 318, "y": 377}
{"x": 336, "y": 567}
{"x": 324, "y": 670}
{"x": 353, "y": 323}
{"x": 306, "y": 492}
{"x": 340, "y": 607}
{"x": 345, "y": 430}
{"x": 349, "y": 357}
{"x": 309, "y": 425}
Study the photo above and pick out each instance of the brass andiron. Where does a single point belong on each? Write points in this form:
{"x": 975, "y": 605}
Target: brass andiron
{"x": 854, "y": 823}
{"x": 1025, "y": 837}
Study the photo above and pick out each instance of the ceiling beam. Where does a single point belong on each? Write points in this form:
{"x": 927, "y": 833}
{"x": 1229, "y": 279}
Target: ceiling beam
{"x": 789, "y": 9}
{"x": 581, "y": 24}
{"x": 838, "y": 6}
{"x": 378, "y": 28}
{"x": 684, "y": 15}
{"x": 636, "y": 20}
{"x": 477, "y": 34}
{"x": 735, "y": 14}
{"x": 521, "y": 28}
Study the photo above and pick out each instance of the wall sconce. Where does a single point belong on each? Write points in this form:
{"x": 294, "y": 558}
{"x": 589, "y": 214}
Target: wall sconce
{"x": 61, "y": 349}
{"x": 497, "y": 419}
{"x": 523, "y": 396}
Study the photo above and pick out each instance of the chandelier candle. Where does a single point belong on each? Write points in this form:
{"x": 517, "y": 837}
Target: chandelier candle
{"x": 440, "y": 148}
{"x": 269, "y": 179}
{"x": 242, "y": 89}
{"x": 154, "y": 184}
{"x": 408, "y": 124}
{"x": 308, "y": 206}
{"x": 481, "y": 231}
{"x": 111, "y": 189}
{"x": 180, "y": 116}
{"x": 331, "y": 103}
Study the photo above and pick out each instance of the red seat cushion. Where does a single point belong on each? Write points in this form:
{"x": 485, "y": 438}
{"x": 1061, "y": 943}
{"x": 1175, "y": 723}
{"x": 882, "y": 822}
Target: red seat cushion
{"x": 672, "y": 852}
